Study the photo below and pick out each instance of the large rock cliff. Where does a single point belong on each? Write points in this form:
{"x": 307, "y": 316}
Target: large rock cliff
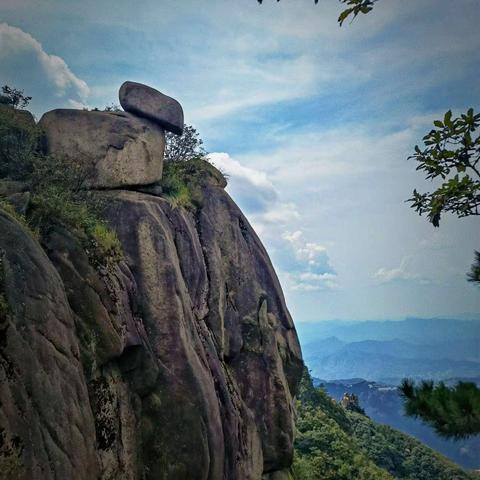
{"x": 181, "y": 361}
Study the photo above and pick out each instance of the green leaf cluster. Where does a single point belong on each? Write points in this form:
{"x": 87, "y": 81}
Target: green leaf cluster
{"x": 175, "y": 184}
{"x": 181, "y": 148}
{"x": 355, "y": 8}
{"x": 451, "y": 153}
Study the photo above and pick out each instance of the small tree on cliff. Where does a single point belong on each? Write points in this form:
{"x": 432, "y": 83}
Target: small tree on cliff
{"x": 19, "y": 136}
{"x": 187, "y": 146}
{"x": 14, "y": 97}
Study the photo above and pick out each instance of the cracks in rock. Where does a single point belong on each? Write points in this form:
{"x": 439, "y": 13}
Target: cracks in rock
{"x": 56, "y": 442}
{"x": 228, "y": 296}
{"x": 243, "y": 229}
{"x": 144, "y": 189}
{"x": 56, "y": 348}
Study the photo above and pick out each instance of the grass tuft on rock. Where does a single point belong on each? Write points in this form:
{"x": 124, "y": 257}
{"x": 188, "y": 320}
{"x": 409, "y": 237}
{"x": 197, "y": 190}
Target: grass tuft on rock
{"x": 183, "y": 180}
{"x": 56, "y": 204}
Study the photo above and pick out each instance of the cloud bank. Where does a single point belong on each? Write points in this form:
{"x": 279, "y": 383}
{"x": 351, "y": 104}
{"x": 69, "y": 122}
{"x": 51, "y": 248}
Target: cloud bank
{"x": 21, "y": 50}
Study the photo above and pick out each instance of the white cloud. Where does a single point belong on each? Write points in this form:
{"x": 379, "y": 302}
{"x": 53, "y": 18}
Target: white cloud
{"x": 281, "y": 214}
{"x": 309, "y": 252}
{"x": 253, "y": 190}
{"x": 310, "y": 282}
{"x": 309, "y": 270}
{"x": 387, "y": 275}
{"x": 236, "y": 170}
{"x": 79, "y": 105}
{"x": 304, "y": 263}
{"x": 317, "y": 157}
{"x": 15, "y": 42}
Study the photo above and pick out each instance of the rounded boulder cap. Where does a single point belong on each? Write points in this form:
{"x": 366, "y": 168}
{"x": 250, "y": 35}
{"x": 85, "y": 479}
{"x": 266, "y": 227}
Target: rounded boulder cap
{"x": 145, "y": 101}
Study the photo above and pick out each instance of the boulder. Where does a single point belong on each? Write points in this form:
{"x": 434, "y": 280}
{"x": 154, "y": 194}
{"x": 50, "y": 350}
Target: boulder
{"x": 147, "y": 102}
{"x": 117, "y": 149}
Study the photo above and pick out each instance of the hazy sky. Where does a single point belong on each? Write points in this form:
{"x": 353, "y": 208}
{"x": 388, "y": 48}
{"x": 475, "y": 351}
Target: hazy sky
{"x": 312, "y": 122}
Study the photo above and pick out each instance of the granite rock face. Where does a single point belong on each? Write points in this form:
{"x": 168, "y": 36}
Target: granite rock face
{"x": 46, "y": 424}
{"x": 147, "y": 102}
{"x": 178, "y": 362}
{"x": 117, "y": 149}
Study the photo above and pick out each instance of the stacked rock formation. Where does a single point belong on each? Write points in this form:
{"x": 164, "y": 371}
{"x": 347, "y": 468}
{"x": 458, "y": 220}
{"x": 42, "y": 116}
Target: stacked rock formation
{"x": 120, "y": 149}
{"x": 181, "y": 362}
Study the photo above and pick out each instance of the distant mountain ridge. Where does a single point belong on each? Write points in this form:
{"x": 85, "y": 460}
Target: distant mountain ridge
{"x": 436, "y": 349}
{"x": 412, "y": 330}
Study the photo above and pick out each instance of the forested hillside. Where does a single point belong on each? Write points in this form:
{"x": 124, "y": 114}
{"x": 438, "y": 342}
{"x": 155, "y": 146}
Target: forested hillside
{"x": 335, "y": 444}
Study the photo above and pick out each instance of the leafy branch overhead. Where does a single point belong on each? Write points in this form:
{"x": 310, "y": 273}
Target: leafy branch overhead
{"x": 453, "y": 412}
{"x": 355, "y": 7}
{"x": 451, "y": 153}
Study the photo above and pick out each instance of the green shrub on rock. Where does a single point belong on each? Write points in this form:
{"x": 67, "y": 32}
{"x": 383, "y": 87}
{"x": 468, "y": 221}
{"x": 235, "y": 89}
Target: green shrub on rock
{"x": 175, "y": 184}
{"x": 11, "y": 465}
{"x": 19, "y": 142}
{"x": 55, "y": 204}
{"x": 182, "y": 181}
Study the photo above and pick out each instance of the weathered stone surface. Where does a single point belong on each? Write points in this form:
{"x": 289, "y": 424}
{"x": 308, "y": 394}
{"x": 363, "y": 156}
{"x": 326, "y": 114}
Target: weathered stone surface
{"x": 250, "y": 322}
{"x": 117, "y": 149}
{"x": 19, "y": 201}
{"x": 189, "y": 354}
{"x": 214, "y": 310}
{"x": 44, "y": 404}
{"x": 147, "y": 102}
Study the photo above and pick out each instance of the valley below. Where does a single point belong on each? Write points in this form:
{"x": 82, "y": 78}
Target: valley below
{"x": 370, "y": 359}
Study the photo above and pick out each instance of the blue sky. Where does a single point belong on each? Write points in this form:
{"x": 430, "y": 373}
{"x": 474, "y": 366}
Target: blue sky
{"x": 312, "y": 122}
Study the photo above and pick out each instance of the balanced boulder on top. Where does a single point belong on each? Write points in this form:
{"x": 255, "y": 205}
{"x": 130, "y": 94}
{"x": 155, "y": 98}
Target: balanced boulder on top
{"x": 147, "y": 102}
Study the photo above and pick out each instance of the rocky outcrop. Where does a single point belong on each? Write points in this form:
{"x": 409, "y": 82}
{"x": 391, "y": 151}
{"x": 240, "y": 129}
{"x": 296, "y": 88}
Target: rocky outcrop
{"x": 147, "y": 102}
{"x": 178, "y": 362}
{"x": 115, "y": 149}
{"x": 46, "y": 422}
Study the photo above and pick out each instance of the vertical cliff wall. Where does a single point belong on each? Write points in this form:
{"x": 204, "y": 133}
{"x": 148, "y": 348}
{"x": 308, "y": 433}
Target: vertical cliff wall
{"x": 180, "y": 362}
